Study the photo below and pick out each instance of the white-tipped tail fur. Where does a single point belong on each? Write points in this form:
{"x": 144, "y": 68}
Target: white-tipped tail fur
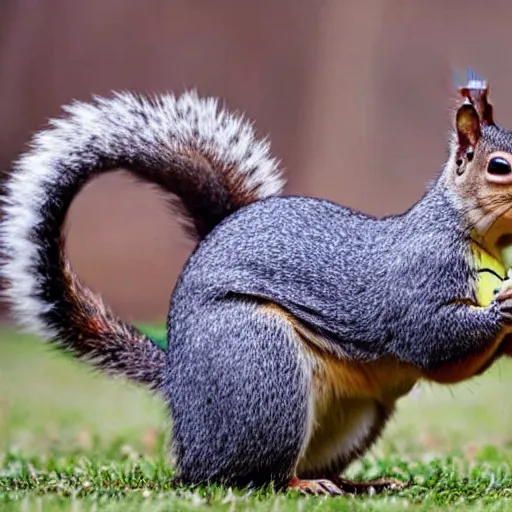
{"x": 206, "y": 157}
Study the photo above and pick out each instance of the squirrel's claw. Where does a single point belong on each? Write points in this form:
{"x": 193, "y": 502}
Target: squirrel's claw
{"x": 504, "y": 299}
{"x": 337, "y": 486}
{"x": 320, "y": 487}
{"x": 505, "y": 291}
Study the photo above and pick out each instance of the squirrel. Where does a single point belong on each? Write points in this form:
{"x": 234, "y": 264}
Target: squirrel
{"x": 297, "y": 323}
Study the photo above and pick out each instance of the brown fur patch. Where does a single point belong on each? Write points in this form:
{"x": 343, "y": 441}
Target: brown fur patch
{"x": 470, "y": 367}
{"x": 351, "y": 401}
{"x": 207, "y": 190}
{"x": 507, "y": 345}
{"x": 386, "y": 378}
{"x": 383, "y": 379}
{"x": 88, "y": 316}
{"x": 90, "y": 330}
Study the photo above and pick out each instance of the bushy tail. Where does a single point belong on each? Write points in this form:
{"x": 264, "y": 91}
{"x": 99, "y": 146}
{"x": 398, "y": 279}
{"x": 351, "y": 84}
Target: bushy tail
{"x": 207, "y": 159}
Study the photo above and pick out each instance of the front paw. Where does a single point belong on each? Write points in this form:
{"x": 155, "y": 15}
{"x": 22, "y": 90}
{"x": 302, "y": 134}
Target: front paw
{"x": 504, "y": 292}
{"x": 503, "y": 297}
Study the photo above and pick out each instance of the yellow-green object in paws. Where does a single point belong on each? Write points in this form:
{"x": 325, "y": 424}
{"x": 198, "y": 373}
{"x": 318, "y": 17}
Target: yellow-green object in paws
{"x": 491, "y": 274}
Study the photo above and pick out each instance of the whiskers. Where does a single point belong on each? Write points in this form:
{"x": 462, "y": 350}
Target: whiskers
{"x": 487, "y": 211}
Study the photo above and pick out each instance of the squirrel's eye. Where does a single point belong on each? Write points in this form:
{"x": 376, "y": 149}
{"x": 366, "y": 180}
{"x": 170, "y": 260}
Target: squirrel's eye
{"x": 499, "y": 166}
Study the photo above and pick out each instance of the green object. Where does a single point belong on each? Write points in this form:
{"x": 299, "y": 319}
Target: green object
{"x": 157, "y": 332}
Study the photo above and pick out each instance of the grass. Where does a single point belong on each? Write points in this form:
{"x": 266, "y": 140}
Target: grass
{"x": 74, "y": 440}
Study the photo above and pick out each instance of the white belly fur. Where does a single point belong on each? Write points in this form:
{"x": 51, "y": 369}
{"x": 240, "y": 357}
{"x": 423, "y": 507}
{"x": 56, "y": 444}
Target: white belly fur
{"x": 349, "y": 406}
{"x": 337, "y": 432}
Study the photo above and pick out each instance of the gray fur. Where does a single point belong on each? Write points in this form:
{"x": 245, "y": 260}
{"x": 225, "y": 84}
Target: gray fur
{"x": 239, "y": 379}
{"x": 239, "y": 393}
{"x": 373, "y": 287}
{"x": 370, "y": 287}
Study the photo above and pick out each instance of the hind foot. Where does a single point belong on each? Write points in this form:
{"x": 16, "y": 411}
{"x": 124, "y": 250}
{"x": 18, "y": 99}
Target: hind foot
{"x": 320, "y": 487}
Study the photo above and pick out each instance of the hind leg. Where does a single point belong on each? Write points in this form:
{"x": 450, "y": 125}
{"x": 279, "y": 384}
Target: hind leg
{"x": 343, "y": 434}
{"x": 239, "y": 395}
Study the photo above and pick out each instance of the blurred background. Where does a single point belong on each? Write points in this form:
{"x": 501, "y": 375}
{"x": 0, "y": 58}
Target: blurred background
{"x": 355, "y": 96}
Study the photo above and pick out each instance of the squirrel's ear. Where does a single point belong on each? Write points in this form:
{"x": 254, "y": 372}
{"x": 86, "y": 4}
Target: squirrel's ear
{"x": 476, "y": 91}
{"x": 468, "y": 126}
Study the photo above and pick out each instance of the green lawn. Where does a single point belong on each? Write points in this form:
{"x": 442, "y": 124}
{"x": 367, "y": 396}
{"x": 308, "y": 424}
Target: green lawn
{"x": 74, "y": 440}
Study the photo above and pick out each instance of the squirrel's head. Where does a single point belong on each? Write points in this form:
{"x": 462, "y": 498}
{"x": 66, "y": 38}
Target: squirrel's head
{"x": 479, "y": 170}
